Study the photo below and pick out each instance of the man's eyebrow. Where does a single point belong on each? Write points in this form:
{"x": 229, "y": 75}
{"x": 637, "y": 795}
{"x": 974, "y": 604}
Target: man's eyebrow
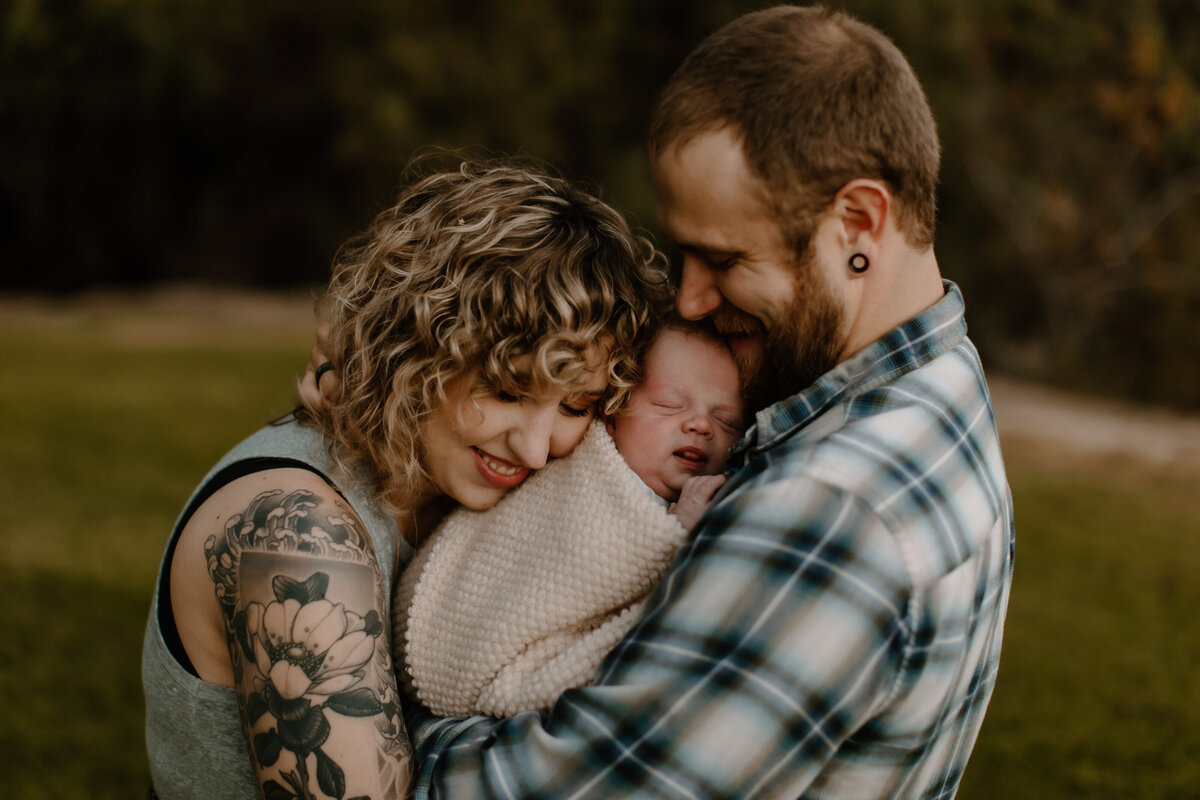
{"x": 708, "y": 251}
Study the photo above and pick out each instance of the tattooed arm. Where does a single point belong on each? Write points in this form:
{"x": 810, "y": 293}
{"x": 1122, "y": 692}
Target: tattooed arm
{"x": 277, "y": 593}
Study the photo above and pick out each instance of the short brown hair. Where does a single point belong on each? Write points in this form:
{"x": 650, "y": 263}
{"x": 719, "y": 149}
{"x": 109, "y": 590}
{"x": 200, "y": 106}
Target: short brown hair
{"x": 817, "y": 99}
{"x": 492, "y": 267}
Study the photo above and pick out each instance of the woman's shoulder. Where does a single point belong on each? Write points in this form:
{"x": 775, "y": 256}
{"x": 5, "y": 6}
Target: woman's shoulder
{"x": 280, "y": 512}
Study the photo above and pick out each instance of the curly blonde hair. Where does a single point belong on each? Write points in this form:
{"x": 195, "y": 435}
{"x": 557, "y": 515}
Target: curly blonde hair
{"x": 492, "y": 268}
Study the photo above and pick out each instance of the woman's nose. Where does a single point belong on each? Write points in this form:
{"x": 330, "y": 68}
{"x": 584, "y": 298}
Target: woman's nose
{"x": 698, "y": 295}
{"x": 530, "y": 440}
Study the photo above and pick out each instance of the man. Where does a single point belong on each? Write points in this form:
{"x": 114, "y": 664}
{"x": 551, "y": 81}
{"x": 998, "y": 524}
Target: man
{"x": 833, "y": 626}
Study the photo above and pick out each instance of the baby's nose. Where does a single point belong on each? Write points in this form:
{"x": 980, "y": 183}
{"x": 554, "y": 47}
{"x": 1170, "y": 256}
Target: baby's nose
{"x": 699, "y": 423}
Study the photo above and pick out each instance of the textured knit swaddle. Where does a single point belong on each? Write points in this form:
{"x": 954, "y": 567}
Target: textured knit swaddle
{"x": 501, "y": 610}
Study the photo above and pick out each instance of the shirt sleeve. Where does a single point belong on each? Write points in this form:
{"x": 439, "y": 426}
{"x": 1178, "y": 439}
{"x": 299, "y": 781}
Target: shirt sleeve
{"x": 779, "y": 631}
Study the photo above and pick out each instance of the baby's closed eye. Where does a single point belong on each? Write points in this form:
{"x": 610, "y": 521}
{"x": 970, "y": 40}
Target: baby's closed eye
{"x": 731, "y": 422}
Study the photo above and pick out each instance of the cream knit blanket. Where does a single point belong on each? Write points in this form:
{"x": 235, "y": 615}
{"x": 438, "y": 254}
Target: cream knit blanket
{"x": 501, "y": 610}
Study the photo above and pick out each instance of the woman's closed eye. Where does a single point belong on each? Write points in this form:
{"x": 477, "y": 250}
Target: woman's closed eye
{"x": 581, "y": 405}
{"x": 577, "y": 409}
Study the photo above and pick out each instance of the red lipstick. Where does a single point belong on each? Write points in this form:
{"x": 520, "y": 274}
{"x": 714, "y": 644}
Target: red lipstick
{"x": 498, "y": 472}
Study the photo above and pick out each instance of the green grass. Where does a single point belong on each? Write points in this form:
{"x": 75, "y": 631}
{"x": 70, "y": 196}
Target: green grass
{"x": 1099, "y": 689}
{"x": 106, "y": 430}
{"x": 107, "y": 426}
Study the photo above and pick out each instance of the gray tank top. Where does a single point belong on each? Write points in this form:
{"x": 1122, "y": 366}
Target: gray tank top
{"x": 194, "y": 734}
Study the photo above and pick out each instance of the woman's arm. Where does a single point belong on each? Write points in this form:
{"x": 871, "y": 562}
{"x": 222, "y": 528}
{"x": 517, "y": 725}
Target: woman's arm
{"x": 299, "y": 629}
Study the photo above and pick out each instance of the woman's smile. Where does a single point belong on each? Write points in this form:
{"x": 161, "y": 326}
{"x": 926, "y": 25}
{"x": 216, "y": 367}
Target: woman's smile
{"x": 480, "y": 445}
{"x": 499, "y": 472}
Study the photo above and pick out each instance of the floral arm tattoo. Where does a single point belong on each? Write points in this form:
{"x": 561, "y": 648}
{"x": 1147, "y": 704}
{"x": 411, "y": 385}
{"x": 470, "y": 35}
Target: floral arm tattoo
{"x": 302, "y": 601}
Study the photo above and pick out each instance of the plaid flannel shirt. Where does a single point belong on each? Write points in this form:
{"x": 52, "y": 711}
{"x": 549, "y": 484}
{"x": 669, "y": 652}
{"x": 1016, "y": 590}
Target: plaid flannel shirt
{"x": 831, "y": 629}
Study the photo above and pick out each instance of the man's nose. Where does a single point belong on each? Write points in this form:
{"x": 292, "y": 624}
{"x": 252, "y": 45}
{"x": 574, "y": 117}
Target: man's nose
{"x": 698, "y": 294}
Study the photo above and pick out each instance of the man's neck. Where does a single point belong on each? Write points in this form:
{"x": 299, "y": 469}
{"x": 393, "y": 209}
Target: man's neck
{"x": 901, "y": 288}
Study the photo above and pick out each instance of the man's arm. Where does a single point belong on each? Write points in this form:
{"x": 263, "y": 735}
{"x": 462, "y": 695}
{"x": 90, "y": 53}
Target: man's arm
{"x": 777, "y": 633}
{"x": 304, "y": 620}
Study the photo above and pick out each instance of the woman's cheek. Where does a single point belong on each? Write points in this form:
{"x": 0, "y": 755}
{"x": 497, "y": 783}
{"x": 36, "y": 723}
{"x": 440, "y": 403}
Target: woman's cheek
{"x": 567, "y": 434}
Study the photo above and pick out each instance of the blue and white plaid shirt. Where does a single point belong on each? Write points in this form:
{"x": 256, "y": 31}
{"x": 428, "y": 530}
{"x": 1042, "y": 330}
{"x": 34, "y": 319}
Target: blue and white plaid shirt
{"x": 831, "y": 630}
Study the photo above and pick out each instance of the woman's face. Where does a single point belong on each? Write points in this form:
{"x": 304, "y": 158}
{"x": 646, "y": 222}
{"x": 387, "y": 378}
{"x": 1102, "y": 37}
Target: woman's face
{"x": 477, "y": 448}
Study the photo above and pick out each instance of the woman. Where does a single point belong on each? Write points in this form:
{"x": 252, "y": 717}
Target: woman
{"x": 474, "y": 328}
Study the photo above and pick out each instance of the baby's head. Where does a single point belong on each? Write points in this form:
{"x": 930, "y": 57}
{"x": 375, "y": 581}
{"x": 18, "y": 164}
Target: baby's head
{"x": 685, "y": 414}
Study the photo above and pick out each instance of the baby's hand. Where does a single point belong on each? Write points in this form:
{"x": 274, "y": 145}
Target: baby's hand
{"x": 694, "y": 498}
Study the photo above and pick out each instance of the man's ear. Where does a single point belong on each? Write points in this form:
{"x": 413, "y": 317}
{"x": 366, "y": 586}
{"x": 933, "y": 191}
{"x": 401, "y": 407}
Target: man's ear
{"x": 863, "y": 206}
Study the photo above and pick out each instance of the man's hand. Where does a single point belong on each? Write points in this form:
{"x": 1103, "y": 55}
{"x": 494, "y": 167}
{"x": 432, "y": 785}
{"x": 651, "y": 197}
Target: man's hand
{"x": 694, "y": 498}
{"x": 314, "y": 392}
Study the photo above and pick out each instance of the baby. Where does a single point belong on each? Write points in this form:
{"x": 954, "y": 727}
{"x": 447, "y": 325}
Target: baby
{"x": 502, "y": 610}
{"x": 682, "y": 419}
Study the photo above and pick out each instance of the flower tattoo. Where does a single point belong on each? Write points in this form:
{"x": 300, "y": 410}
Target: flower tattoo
{"x": 313, "y": 650}
{"x": 310, "y": 654}
{"x": 302, "y": 659}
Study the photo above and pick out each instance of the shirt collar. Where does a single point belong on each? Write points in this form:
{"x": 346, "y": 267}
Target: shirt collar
{"x": 935, "y": 331}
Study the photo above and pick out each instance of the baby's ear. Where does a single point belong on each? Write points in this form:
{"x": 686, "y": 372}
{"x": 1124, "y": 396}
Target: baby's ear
{"x": 608, "y": 424}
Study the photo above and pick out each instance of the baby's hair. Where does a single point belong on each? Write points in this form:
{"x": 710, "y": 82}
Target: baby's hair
{"x": 671, "y": 321}
{"x": 701, "y": 328}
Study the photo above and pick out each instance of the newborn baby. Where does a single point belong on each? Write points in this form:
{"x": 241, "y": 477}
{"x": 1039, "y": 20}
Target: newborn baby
{"x": 502, "y": 610}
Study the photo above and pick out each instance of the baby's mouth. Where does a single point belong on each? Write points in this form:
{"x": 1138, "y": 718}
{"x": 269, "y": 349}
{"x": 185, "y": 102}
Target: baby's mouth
{"x": 692, "y": 458}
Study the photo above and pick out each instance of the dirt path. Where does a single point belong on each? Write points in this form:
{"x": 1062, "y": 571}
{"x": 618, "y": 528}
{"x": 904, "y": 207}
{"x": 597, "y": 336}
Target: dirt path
{"x": 1088, "y": 427}
{"x": 1069, "y": 424}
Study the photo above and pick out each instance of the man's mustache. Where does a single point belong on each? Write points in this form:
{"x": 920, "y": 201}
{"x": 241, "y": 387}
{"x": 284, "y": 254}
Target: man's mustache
{"x": 730, "y": 321}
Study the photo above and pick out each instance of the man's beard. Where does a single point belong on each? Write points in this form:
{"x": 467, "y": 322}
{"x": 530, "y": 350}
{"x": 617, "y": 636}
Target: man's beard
{"x": 803, "y": 346}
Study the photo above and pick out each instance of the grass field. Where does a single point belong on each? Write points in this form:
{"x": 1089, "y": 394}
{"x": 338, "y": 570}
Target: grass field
{"x": 111, "y": 412}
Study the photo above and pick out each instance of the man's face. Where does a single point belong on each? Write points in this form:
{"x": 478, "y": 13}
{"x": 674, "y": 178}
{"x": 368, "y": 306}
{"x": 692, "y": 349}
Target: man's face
{"x": 779, "y": 312}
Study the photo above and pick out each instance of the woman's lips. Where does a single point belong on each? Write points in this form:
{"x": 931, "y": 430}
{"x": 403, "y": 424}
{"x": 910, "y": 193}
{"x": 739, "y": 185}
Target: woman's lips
{"x": 498, "y": 472}
{"x": 692, "y": 459}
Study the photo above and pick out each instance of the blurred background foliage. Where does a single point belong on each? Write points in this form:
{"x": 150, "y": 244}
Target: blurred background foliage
{"x": 236, "y": 142}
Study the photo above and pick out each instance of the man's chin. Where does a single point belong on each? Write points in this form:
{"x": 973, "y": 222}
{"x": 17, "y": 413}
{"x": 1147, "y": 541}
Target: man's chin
{"x": 775, "y": 371}
{"x": 749, "y": 364}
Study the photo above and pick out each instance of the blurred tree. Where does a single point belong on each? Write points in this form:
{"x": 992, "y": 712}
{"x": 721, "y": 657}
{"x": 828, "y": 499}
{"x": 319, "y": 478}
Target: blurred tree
{"x": 233, "y": 141}
{"x": 1071, "y": 185}
{"x": 1078, "y": 130}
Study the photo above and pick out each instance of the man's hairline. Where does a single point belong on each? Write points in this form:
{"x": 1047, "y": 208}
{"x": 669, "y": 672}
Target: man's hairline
{"x": 690, "y": 133}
